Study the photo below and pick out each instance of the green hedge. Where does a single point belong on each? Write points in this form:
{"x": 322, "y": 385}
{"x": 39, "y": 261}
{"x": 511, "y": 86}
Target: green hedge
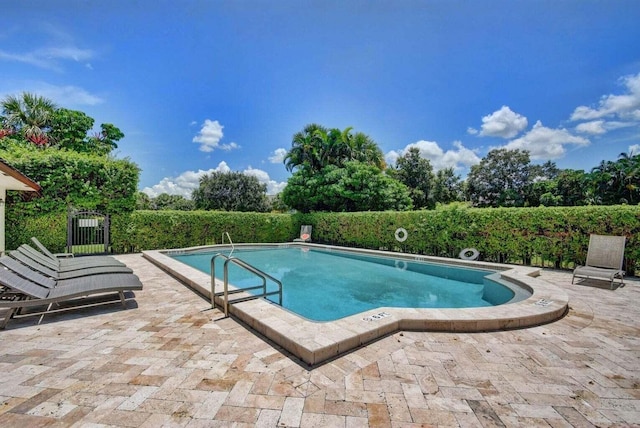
{"x": 49, "y": 228}
{"x": 556, "y": 237}
{"x": 68, "y": 180}
{"x": 71, "y": 179}
{"x": 146, "y": 230}
{"x": 551, "y": 237}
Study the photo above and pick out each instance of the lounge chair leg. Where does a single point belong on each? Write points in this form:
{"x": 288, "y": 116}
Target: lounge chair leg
{"x": 7, "y": 317}
{"x": 42, "y": 316}
{"x": 122, "y": 299}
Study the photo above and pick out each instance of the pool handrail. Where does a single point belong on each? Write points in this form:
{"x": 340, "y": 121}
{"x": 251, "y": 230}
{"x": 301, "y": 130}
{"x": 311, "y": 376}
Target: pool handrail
{"x": 241, "y": 263}
{"x": 230, "y": 242}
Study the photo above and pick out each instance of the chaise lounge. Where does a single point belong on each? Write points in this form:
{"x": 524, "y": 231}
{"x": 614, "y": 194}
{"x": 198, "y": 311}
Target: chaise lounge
{"x": 605, "y": 258}
{"x": 68, "y": 274}
{"x": 22, "y": 288}
{"x": 64, "y": 265}
{"x": 67, "y": 259}
{"x": 305, "y": 234}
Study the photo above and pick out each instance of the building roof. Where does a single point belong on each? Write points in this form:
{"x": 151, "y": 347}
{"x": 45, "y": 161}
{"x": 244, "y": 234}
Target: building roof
{"x": 12, "y": 179}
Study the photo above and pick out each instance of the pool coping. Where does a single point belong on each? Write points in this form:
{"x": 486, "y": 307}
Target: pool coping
{"x": 315, "y": 342}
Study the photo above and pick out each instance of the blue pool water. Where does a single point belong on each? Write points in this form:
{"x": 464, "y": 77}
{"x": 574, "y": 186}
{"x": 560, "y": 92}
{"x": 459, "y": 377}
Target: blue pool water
{"x": 324, "y": 285}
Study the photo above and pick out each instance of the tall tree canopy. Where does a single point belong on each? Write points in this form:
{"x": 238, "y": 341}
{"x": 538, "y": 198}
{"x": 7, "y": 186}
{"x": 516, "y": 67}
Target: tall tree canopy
{"x": 35, "y": 120}
{"x": 355, "y": 187}
{"x": 316, "y": 147}
{"x": 617, "y": 182}
{"x": 500, "y": 179}
{"x": 416, "y": 173}
{"x": 163, "y": 201}
{"x": 28, "y": 115}
{"x": 339, "y": 171}
{"x": 447, "y": 187}
{"x": 230, "y": 191}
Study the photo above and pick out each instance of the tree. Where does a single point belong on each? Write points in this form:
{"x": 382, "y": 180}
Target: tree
{"x": 617, "y": 182}
{"x": 38, "y": 121}
{"x": 447, "y": 187}
{"x": 69, "y": 129}
{"x": 28, "y": 115}
{"x": 105, "y": 141}
{"x": 630, "y": 165}
{"x": 230, "y": 191}
{"x": 277, "y": 204}
{"x": 323, "y": 157}
{"x": 543, "y": 192}
{"x": 165, "y": 201}
{"x": 316, "y": 147}
{"x": 355, "y": 147}
{"x": 306, "y": 149}
{"x": 542, "y": 187}
{"x": 572, "y": 187}
{"x": 416, "y": 173}
{"x": 143, "y": 201}
{"x": 500, "y": 179}
{"x": 546, "y": 171}
{"x": 355, "y": 187}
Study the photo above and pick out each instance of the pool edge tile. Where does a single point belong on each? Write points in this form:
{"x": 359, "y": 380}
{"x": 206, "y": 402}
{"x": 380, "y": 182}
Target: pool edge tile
{"x": 316, "y": 342}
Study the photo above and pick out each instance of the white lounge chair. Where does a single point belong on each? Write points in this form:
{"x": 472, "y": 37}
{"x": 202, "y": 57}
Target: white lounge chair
{"x": 305, "y": 234}
{"x": 605, "y": 257}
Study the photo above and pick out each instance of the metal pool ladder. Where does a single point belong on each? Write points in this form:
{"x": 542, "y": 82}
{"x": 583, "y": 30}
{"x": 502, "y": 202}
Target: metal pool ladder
{"x": 225, "y": 293}
{"x": 230, "y": 242}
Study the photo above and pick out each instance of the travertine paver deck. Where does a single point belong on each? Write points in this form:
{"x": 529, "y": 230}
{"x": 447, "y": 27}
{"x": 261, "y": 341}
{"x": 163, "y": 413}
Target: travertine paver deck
{"x": 174, "y": 362}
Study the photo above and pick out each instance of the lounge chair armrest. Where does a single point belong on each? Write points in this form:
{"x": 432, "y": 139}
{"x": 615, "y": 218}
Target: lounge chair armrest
{"x": 64, "y": 255}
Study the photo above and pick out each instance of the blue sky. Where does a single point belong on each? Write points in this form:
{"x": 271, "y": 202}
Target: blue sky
{"x": 198, "y": 86}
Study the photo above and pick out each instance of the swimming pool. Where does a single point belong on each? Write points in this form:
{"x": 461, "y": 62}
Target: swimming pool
{"x": 326, "y": 285}
{"x": 317, "y": 341}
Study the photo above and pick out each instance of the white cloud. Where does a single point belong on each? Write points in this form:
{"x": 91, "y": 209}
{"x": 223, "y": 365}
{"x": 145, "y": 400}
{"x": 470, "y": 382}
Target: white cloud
{"x": 49, "y": 58}
{"x": 273, "y": 187}
{"x": 634, "y": 150}
{"x": 439, "y": 159}
{"x": 65, "y": 96}
{"x": 229, "y": 147}
{"x": 626, "y": 106}
{"x": 210, "y": 135}
{"x": 546, "y": 143}
{"x": 70, "y": 95}
{"x": 66, "y": 52}
{"x": 472, "y": 131}
{"x": 599, "y": 127}
{"x": 502, "y": 123}
{"x": 595, "y": 127}
{"x": 185, "y": 183}
{"x": 278, "y": 156}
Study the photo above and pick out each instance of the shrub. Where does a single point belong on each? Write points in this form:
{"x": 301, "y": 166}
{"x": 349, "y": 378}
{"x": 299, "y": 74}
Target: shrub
{"x": 146, "y": 230}
{"x": 69, "y": 179}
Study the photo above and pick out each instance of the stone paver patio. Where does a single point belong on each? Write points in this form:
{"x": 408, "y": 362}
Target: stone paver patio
{"x": 172, "y": 361}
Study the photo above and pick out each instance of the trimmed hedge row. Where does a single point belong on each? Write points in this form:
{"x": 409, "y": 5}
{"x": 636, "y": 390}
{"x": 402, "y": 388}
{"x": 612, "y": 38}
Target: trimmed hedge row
{"x": 49, "y": 228}
{"x": 542, "y": 236}
{"x": 147, "y": 230}
{"x": 553, "y": 237}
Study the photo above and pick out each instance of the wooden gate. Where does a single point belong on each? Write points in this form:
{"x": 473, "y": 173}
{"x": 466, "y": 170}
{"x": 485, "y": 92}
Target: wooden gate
{"x": 87, "y": 233}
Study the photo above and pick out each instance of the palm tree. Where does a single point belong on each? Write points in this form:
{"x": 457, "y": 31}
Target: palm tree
{"x": 365, "y": 150}
{"x": 29, "y": 115}
{"x": 316, "y": 147}
{"x": 630, "y": 166}
{"x": 306, "y": 149}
